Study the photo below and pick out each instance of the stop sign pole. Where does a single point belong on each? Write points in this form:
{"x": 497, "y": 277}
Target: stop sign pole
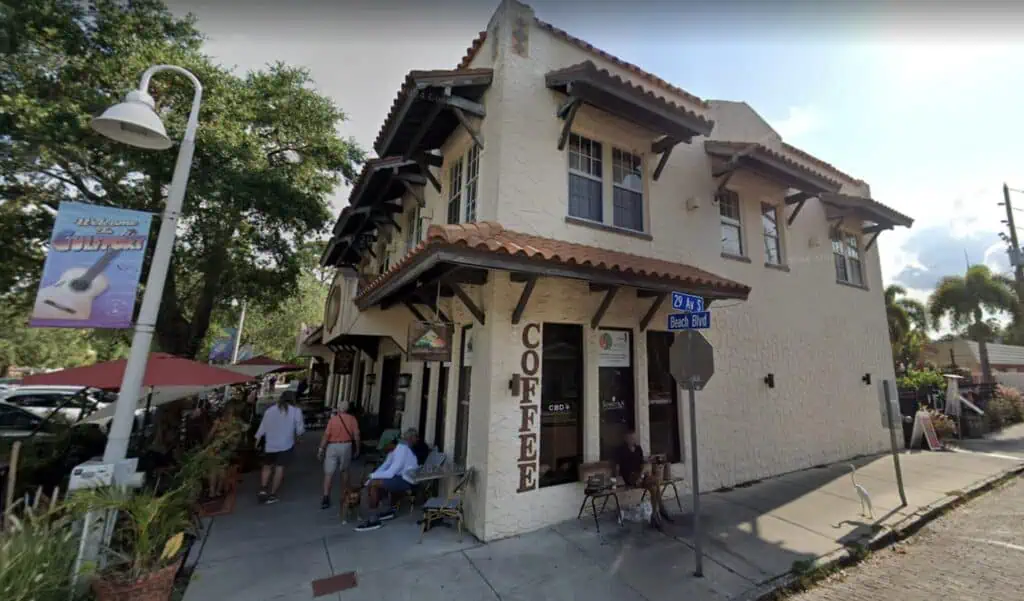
{"x": 692, "y": 364}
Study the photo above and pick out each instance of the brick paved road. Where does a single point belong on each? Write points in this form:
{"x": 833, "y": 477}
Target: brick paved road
{"x": 975, "y": 552}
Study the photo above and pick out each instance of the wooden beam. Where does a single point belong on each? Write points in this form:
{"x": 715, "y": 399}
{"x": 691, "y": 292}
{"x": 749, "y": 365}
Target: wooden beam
{"x": 570, "y": 116}
{"x": 603, "y": 308}
{"x": 647, "y": 293}
{"x": 430, "y": 159}
{"x": 415, "y": 312}
{"x": 563, "y": 110}
{"x": 456, "y": 102}
{"x": 881, "y": 227}
{"x": 472, "y": 306}
{"x": 664, "y": 145}
{"x": 424, "y": 127}
{"x": 599, "y": 287}
{"x": 664, "y": 160}
{"x": 424, "y": 163}
{"x": 473, "y": 133}
{"x": 520, "y": 277}
{"x": 524, "y": 298}
{"x": 722, "y": 183}
{"x": 796, "y": 211}
{"x": 798, "y": 197}
{"x": 734, "y": 161}
{"x": 422, "y": 202}
{"x": 871, "y": 242}
{"x": 646, "y": 319}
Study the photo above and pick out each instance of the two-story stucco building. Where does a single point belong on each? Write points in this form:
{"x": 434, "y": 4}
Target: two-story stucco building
{"x": 544, "y": 198}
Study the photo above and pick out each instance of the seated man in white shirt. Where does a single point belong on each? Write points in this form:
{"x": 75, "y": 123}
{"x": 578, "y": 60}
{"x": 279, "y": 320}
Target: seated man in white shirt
{"x": 394, "y": 476}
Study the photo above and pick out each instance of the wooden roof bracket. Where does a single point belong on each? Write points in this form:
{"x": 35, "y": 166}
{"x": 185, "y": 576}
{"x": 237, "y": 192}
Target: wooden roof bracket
{"x": 875, "y": 231}
{"x": 652, "y": 311}
{"x": 800, "y": 198}
{"x": 834, "y": 230}
{"x": 524, "y": 298}
{"x": 568, "y": 112}
{"x": 472, "y": 306}
{"x": 606, "y": 302}
{"x": 424, "y": 127}
{"x": 663, "y": 147}
{"x": 412, "y": 184}
{"x": 425, "y": 161}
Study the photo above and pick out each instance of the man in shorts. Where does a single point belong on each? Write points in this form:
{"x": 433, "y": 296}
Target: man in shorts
{"x": 280, "y": 430}
{"x": 395, "y": 476}
{"x": 338, "y": 446}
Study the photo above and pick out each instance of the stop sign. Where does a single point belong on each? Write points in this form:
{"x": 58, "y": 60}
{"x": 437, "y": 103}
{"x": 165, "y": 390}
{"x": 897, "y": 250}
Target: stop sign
{"x": 692, "y": 360}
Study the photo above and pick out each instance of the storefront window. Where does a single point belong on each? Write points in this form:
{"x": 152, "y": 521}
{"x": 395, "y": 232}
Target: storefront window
{"x": 561, "y": 416}
{"x": 663, "y": 397}
{"x": 615, "y": 389}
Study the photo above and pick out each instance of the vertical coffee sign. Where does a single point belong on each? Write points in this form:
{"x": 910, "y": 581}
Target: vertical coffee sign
{"x": 92, "y": 268}
{"x": 529, "y": 407}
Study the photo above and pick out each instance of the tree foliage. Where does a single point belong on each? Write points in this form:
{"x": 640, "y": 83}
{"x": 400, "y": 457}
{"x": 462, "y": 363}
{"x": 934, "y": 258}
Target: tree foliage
{"x": 23, "y": 346}
{"x": 267, "y": 154}
{"x": 908, "y": 322}
{"x": 965, "y": 301}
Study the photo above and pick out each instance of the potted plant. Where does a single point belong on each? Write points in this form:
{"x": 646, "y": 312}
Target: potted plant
{"x": 38, "y": 548}
{"x": 145, "y": 551}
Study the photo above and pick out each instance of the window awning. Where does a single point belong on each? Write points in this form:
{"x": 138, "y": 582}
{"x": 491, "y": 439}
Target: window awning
{"x": 770, "y": 164}
{"x": 429, "y": 107}
{"x": 372, "y": 205}
{"x": 872, "y": 216}
{"x": 587, "y": 83}
{"x": 455, "y": 254}
{"x": 353, "y": 342}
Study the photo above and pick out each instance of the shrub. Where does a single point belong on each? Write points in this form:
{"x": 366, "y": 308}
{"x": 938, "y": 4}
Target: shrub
{"x": 1015, "y": 400}
{"x": 37, "y": 554}
{"x": 921, "y": 379}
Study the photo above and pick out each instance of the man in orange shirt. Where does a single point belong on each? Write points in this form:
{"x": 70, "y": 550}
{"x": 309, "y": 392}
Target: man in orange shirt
{"x": 338, "y": 445}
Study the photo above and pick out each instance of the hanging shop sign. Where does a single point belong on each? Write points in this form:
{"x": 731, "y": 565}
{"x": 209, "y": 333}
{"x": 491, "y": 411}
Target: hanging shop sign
{"x": 344, "y": 362}
{"x": 92, "y": 268}
{"x": 525, "y": 385}
{"x": 430, "y": 341}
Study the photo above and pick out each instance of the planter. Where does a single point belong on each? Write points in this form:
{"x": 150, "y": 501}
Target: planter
{"x": 155, "y": 586}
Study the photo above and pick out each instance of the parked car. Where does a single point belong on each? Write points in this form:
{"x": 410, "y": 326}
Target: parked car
{"x": 17, "y": 423}
{"x": 9, "y": 383}
{"x": 70, "y": 402}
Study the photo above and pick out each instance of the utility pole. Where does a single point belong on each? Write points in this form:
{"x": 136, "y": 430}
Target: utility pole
{"x": 1018, "y": 268}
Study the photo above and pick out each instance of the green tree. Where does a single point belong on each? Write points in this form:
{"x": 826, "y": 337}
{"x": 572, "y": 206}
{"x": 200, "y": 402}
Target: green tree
{"x": 53, "y": 348}
{"x": 267, "y": 155}
{"x": 908, "y": 320}
{"x": 966, "y": 299}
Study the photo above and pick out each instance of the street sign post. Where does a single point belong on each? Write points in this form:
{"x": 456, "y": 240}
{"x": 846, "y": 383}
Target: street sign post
{"x": 890, "y": 413}
{"x": 687, "y": 302}
{"x": 692, "y": 363}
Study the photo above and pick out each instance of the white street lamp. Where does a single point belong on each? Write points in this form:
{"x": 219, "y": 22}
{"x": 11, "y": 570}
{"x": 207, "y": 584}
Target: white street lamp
{"x": 135, "y": 122}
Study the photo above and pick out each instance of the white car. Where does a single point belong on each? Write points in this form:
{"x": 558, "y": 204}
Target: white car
{"x": 16, "y": 423}
{"x": 71, "y": 402}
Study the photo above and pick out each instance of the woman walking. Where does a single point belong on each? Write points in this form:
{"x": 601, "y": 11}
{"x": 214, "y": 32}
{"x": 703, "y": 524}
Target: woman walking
{"x": 281, "y": 427}
{"x": 338, "y": 446}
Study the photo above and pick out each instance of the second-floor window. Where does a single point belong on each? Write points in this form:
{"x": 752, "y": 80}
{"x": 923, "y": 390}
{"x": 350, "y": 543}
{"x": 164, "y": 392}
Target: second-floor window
{"x": 846, "y": 253}
{"x": 627, "y": 190}
{"x": 585, "y": 178}
{"x": 770, "y": 228}
{"x": 414, "y": 231}
{"x": 454, "y": 190}
{"x": 472, "y": 181}
{"x": 732, "y": 230}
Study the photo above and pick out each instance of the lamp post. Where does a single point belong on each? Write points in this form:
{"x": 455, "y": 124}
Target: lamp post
{"x": 135, "y": 122}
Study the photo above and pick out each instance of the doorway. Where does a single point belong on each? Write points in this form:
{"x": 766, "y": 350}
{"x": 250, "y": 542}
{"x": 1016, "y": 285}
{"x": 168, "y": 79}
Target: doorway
{"x": 424, "y": 394}
{"x": 388, "y": 388}
{"x": 442, "y": 400}
{"x": 616, "y": 389}
{"x": 462, "y": 408}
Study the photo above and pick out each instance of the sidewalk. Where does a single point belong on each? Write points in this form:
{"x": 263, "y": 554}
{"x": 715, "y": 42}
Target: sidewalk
{"x": 753, "y": 536}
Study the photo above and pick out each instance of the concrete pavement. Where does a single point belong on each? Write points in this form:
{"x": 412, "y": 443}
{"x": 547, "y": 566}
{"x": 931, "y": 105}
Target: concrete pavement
{"x": 754, "y": 535}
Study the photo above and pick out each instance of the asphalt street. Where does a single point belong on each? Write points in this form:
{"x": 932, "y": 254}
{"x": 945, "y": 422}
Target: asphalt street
{"x": 974, "y": 552}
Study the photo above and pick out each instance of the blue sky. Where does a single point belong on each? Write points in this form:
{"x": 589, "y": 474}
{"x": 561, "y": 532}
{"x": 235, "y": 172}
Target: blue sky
{"x": 923, "y": 104}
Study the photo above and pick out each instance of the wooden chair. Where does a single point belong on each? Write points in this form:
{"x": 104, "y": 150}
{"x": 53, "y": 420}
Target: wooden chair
{"x": 450, "y": 507}
{"x": 599, "y": 485}
{"x": 667, "y": 481}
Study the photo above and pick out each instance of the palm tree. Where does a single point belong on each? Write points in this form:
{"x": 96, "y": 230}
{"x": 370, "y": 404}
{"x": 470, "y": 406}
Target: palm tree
{"x": 903, "y": 314}
{"x": 966, "y": 299}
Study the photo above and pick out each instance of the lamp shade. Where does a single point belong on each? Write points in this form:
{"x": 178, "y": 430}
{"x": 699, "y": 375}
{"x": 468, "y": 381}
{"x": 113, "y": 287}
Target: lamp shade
{"x": 134, "y": 122}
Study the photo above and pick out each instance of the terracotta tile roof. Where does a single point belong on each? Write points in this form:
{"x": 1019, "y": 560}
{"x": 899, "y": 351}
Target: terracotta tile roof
{"x": 409, "y": 86}
{"x": 492, "y": 237}
{"x": 635, "y": 70}
{"x": 813, "y": 159}
{"x": 587, "y": 69}
{"x": 762, "y": 149}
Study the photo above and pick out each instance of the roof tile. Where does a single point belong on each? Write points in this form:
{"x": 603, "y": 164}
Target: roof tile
{"x": 492, "y": 237}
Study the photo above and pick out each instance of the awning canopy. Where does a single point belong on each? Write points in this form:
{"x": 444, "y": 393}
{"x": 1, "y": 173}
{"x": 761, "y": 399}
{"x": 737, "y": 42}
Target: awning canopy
{"x": 162, "y": 370}
{"x": 769, "y": 164}
{"x": 355, "y": 342}
{"x": 375, "y": 199}
{"x": 455, "y": 255}
{"x": 428, "y": 108}
{"x": 871, "y": 216}
{"x": 587, "y": 83}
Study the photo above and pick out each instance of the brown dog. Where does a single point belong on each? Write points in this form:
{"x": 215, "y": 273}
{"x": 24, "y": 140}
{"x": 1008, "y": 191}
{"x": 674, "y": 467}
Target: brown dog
{"x": 350, "y": 501}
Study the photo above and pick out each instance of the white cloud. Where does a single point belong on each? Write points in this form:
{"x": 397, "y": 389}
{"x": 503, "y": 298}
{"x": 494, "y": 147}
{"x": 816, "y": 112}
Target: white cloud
{"x": 800, "y": 121}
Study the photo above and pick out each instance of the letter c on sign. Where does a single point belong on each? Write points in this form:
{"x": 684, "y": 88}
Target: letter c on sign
{"x": 526, "y": 335}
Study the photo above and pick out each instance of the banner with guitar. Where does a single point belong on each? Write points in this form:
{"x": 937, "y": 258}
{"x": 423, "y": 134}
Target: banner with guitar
{"x": 92, "y": 268}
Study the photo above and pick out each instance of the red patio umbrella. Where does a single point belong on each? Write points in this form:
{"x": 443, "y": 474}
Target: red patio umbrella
{"x": 269, "y": 364}
{"x": 162, "y": 370}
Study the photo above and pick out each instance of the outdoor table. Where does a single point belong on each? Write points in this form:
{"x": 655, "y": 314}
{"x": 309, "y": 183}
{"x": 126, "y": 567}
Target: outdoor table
{"x": 445, "y": 470}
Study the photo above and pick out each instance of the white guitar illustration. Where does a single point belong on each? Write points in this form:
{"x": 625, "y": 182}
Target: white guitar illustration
{"x": 72, "y": 296}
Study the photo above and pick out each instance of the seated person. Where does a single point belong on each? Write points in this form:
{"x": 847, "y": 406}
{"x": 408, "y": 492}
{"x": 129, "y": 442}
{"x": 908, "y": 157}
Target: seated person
{"x": 394, "y": 476}
{"x": 630, "y": 462}
{"x": 419, "y": 448}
